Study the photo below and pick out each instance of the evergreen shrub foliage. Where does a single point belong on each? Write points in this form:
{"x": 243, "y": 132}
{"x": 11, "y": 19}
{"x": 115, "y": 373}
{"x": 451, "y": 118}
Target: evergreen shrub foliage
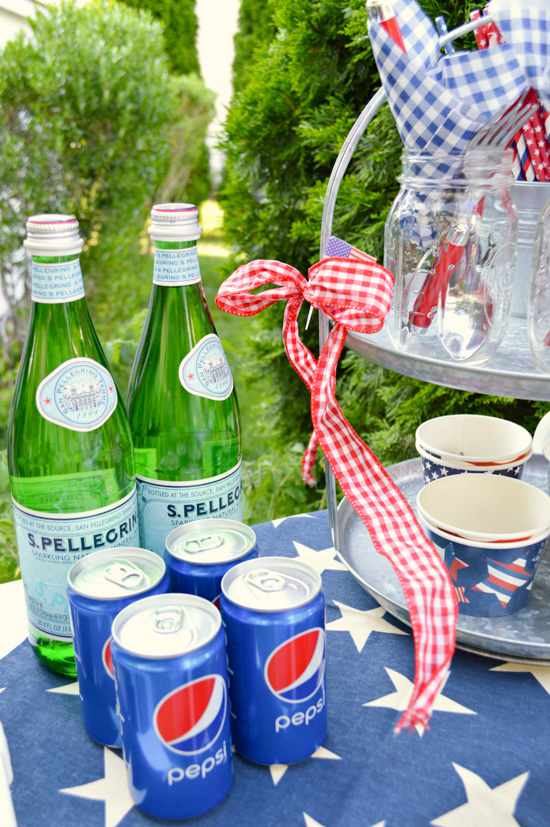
{"x": 180, "y": 26}
{"x": 303, "y": 72}
{"x": 86, "y": 105}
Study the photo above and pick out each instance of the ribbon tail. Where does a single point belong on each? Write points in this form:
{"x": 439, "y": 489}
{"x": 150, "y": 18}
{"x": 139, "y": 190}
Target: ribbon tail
{"x": 395, "y": 533}
{"x": 308, "y": 460}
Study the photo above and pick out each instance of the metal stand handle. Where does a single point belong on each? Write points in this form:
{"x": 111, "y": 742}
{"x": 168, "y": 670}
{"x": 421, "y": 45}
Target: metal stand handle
{"x": 342, "y": 162}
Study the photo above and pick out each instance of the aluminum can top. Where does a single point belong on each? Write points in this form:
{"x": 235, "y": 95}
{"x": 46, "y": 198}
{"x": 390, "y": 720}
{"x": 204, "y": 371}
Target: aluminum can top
{"x": 175, "y": 222}
{"x": 271, "y": 584}
{"x": 166, "y": 625}
{"x": 114, "y": 574}
{"x": 210, "y": 542}
{"x": 53, "y": 234}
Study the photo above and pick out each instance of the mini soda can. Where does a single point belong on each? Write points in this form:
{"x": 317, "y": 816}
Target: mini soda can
{"x": 171, "y": 681}
{"x": 198, "y": 554}
{"x": 273, "y": 610}
{"x": 100, "y": 585}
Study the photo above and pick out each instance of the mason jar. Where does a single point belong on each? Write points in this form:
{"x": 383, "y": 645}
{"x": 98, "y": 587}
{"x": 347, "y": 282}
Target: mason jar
{"x": 450, "y": 242}
{"x": 538, "y": 310}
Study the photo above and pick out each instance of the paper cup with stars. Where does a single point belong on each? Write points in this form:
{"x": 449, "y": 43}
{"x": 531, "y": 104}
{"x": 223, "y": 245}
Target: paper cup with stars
{"x": 450, "y": 445}
{"x": 492, "y": 531}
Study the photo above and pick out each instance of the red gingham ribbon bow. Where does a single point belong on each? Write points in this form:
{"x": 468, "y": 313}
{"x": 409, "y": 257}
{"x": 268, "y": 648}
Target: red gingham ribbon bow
{"x": 356, "y": 296}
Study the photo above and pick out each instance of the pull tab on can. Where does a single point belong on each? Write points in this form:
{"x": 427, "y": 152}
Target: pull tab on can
{"x": 168, "y": 619}
{"x": 125, "y": 575}
{"x": 206, "y": 542}
{"x": 265, "y": 580}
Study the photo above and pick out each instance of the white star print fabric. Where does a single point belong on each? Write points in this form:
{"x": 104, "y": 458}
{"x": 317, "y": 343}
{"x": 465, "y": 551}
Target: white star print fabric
{"x": 484, "y": 760}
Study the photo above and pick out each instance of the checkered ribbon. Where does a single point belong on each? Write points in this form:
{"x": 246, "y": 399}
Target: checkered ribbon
{"x": 356, "y": 296}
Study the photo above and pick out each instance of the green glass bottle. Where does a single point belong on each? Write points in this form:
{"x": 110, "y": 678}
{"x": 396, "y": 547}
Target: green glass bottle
{"x": 181, "y": 400}
{"x": 70, "y": 453}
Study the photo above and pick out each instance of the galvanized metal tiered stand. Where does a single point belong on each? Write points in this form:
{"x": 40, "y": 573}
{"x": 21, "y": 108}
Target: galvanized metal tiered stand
{"x": 524, "y": 636}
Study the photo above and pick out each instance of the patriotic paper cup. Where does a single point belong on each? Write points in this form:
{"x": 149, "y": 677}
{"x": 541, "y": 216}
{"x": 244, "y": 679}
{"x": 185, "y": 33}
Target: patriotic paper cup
{"x": 474, "y": 440}
{"x": 489, "y": 580}
{"x": 433, "y": 467}
{"x": 485, "y": 507}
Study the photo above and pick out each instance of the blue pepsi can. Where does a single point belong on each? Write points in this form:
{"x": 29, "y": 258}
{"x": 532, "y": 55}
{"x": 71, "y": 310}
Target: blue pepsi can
{"x": 100, "y": 585}
{"x": 171, "y": 681}
{"x": 273, "y": 610}
{"x": 198, "y": 554}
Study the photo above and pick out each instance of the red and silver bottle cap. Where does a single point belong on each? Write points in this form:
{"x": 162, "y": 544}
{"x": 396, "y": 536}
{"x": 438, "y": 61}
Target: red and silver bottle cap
{"x": 53, "y": 234}
{"x": 175, "y": 222}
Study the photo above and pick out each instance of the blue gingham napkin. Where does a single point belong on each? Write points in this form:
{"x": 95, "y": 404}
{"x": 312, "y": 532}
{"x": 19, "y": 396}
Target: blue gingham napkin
{"x": 439, "y": 102}
{"x": 525, "y": 26}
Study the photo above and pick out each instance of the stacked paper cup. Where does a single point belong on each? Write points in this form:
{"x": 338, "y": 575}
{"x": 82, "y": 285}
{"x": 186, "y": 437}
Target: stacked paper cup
{"x": 471, "y": 443}
{"x": 491, "y": 530}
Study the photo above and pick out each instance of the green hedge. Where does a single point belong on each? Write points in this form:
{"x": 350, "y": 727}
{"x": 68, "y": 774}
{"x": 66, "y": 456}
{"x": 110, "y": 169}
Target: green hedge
{"x": 313, "y": 72}
{"x": 179, "y": 25}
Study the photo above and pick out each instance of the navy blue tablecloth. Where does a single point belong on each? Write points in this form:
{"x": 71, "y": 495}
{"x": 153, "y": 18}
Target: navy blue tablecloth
{"x": 484, "y": 762}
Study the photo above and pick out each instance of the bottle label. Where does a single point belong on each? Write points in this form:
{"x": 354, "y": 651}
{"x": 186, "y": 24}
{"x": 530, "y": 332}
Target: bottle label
{"x": 49, "y": 544}
{"x": 176, "y": 267}
{"x": 163, "y": 506}
{"x": 56, "y": 283}
{"x": 205, "y": 370}
{"x": 80, "y": 394}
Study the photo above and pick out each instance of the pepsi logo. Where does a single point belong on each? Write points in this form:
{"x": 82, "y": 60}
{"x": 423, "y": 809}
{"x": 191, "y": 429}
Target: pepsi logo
{"x": 190, "y": 718}
{"x": 107, "y": 658}
{"x": 216, "y": 602}
{"x": 295, "y": 670}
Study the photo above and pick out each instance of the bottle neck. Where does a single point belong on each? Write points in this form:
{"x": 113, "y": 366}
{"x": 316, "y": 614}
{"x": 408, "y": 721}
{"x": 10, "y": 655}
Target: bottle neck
{"x": 176, "y": 264}
{"x": 56, "y": 279}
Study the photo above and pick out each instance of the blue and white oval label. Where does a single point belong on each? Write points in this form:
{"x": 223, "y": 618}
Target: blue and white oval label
{"x": 205, "y": 370}
{"x": 80, "y": 394}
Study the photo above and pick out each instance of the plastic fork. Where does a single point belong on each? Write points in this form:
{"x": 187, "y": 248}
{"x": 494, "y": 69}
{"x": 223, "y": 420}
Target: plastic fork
{"x": 501, "y": 129}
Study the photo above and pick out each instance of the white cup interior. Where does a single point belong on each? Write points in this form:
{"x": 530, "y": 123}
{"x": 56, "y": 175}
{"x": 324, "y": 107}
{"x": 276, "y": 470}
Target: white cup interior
{"x": 542, "y": 535}
{"x": 485, "y": 506}
{"x": 469, "y": 466}
{"x": 473, "y": 437}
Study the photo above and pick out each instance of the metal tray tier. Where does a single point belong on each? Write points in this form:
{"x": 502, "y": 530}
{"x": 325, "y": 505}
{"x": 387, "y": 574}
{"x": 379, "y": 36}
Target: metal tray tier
{"x": 523, "y": 636}
{"x": 509, "y": 372}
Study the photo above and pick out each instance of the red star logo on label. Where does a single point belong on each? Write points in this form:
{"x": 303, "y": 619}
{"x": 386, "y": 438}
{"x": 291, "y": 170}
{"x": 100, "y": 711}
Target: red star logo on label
{"x": 190, "y": 375}
{"x": 111, "y": 390}
{"x": 47, "y": 401}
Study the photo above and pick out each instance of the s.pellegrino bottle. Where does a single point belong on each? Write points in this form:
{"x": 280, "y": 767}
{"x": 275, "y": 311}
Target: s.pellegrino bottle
{"x": 70, "y": 455}
{"x": 181, "y": 400}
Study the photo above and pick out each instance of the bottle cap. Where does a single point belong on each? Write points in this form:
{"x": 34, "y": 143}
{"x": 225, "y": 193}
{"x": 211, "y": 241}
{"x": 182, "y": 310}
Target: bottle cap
{"x": 53, "y": 234}
{"x": 175, "y": 222}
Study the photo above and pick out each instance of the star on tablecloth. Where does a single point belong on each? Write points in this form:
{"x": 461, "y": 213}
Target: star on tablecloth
{"x": 399, "y": 699}
{"x": 360, "y": 624}
{"x": 541, "y": 673}
{"x": 112, "y": 789}
{"x": 310, "y": 822}
{"x": 485, "y": 806}
{"x": 324, "y": 560}
{"x": 291, "y": 517}
{"x": 66, "y": 689}
{"x": 278, "y": 770}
